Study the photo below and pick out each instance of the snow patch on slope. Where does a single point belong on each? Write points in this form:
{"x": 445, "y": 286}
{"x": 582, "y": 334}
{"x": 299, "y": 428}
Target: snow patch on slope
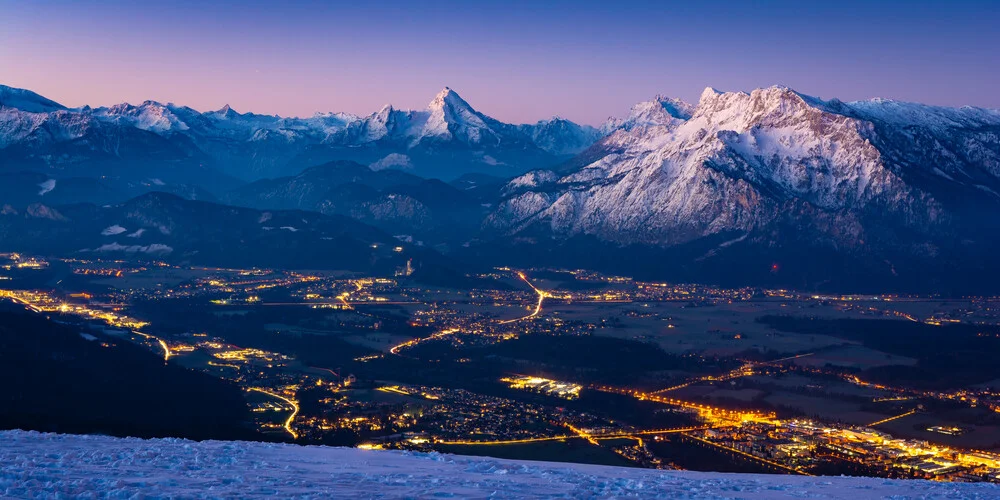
{"x": 46, "y": 186}
{"x": 392, "y": 160}
{"x": 113, "y": 230}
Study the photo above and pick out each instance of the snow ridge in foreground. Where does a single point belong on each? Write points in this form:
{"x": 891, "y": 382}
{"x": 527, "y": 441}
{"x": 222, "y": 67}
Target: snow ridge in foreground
{"x": 36, "y": 465}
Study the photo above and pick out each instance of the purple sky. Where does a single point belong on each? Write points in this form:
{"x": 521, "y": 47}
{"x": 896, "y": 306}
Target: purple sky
{"x": 517, "y": 61}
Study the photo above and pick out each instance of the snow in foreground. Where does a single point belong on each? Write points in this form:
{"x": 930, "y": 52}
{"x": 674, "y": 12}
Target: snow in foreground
{"x": 34, "y": 465}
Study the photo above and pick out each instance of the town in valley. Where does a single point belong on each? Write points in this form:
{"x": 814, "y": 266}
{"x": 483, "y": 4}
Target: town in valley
{"x": 558, "y": 364}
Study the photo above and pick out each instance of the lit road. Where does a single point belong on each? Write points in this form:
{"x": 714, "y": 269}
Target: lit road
{"x": 163, "y": 344}
{"x": 542, "y": 294}
{"x": 410, "y": 343}
{"x": 744, "y": 371}
{"x": 293, "y": 403}
{"x": 343, "y": 298}
{"x": 890, "y": 419}
{"x": 578, "y": 434}
{"x": 582, "y": 434}
{"x": 750, "y": 456}
{"x": 714, "y": 416}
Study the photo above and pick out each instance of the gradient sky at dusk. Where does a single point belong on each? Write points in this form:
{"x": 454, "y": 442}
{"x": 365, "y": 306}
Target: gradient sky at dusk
{"x": 517, "y": 61}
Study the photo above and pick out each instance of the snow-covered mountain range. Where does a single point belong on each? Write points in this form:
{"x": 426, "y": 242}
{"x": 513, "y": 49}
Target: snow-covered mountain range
{"x": 766, "y": 168}
{"x": 738, "y": 187}
{"x": 447, "y": 139}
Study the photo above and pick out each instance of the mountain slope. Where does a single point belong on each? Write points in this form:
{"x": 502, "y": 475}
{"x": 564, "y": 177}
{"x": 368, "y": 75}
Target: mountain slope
{"x": 392, "y": 200}
{"x": 166, "y": 227}
{"x": 26, "y": 100}
{"x": 40, "y": 465}
{"x": 60, "y": 379}
{"x": 775, "y": 171}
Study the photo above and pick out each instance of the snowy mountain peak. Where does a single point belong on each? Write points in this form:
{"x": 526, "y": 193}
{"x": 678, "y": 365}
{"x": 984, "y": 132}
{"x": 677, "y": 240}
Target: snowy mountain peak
{"x": 26, "y": 100}
{"x": 447, "y": 97}
{"x": 453, "y": 117}
{"x": 676, "y": 107}
{"x": 661, "y": 111}
{"x": 561, "y": 136}
{"x": 742, "y": 160}
{"x": 452, "y": 104}
{"x": 767, "y": 97}
{"x": 708, "y": 93}
{"x": 226, "y": 112}
{"x": 150, "y": 116}
{"x": 241, "y": 143}
{"x": 775, "y": 106}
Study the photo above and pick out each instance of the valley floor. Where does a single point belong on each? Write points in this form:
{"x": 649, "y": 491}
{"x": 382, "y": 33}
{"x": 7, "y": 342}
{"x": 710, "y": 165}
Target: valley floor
{"x": 35, "y": 465}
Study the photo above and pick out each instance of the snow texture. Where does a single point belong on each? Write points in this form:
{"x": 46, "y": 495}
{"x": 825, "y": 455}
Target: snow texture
{"x": 392, "y": 160}
{"x": 672, "y": 172}
{"x": 34, "y": 465}
{"x": 113, "y": 230}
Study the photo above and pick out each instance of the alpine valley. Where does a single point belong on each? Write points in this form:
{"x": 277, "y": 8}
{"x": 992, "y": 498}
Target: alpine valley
{"x": 767, "y": 188}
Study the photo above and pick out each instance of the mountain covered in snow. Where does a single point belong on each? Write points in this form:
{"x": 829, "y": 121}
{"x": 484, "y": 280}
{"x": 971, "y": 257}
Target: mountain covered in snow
{"x": 35, "y": 465}
{"x": 762, "y": 179}
{"x": 179, "y": 144}
{"x": 736, "y": 188}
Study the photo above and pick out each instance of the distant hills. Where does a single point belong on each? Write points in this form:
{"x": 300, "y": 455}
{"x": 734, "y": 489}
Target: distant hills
{"x": 411, "y": 207}
{"x": 160, "y": 226}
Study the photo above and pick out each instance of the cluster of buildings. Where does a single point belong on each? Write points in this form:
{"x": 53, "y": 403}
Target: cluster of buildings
{"x": 564, "y": 390}
{"x": 802, "y": 445}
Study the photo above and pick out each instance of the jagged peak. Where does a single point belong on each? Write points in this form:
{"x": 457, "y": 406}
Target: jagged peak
{"x": 123, "y": 107}
{"x": 553, "y": 119}
{"x": 452, "y": 116}
{"x": 660, "y": 111}
{"x": 708, "y": 94}
{"x": 776, "y": 98}
{"x": 448, "y": 98}
{"x": 152, "y": 103}
{"x": 226, "y": 112}
{"x": 335, "y": 114}
{"x": 785, "y": 92}
{"x": 675, "y": 107}
{"x": 556, "y": 120}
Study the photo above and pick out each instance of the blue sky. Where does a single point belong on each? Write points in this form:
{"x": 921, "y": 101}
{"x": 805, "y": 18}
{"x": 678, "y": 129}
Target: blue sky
{"x": 517, "y": 61}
